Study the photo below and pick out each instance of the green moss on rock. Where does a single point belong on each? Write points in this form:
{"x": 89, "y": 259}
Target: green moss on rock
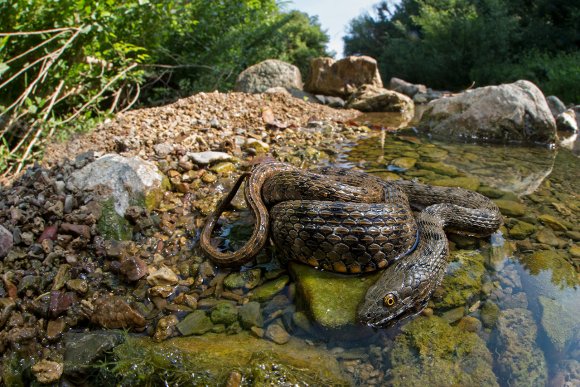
{"x": 112, "y": 225}
{"x": 440, "y": 168}
{"x": 269, "y": 289}
{"x": 330, "y": 299}
{"x": 563, "y": 273}
{"x": 521, "y": 230}
{"x": 470, "y": 183}
{"x": 429, "y": 351}
{"x": 510, "y": 207}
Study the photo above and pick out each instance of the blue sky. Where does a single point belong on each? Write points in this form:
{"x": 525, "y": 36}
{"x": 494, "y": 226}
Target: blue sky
{"x": 333, "y": 15}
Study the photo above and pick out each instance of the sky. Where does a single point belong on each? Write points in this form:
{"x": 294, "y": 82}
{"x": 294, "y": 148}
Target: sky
{"x": 334, "y": 16}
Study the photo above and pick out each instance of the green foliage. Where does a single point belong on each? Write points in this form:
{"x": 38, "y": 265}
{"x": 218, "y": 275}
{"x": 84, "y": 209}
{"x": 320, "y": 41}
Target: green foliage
{"x": 66, "y": 64}
{"x": 453, "y": 43}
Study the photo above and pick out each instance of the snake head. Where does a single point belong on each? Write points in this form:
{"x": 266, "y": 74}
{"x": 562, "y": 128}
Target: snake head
{"x": 395, "y": 296}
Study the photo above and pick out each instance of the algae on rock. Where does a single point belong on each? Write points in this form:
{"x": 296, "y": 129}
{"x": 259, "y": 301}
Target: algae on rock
{"x": 429, "y": 351}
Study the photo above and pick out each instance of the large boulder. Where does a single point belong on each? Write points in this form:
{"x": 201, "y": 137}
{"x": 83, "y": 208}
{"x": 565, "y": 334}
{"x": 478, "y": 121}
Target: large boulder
{"x": 567, "y": 121}
{"x": 509, "y": 112}
{"x": 267, "y": 74}
{"x": 369, "y": 98}
{"x": 556, "y": 105}
{"x": 341, "y": 78}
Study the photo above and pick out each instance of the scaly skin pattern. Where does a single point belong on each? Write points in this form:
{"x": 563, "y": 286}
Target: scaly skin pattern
{"x": 351, "y": 222}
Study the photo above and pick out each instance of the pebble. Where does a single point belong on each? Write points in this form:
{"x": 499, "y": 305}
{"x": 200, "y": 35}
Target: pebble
{"x": 47, "y": 371}
{"x": 55, "y": 328}
{"x": 165, "y": 327}
{"x": 251, "y": 315}
{"x": 276, "y": 333}
{"x": 162, "y": 276}
{"x": 209, "y": 157}
{"x": 195, "y": 323}
{"x": 133, "y": 268}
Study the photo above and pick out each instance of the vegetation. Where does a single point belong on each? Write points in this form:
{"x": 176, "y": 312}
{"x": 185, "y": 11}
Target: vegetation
{"x": 66, "y": 64}
{"x": 455, "y": 43}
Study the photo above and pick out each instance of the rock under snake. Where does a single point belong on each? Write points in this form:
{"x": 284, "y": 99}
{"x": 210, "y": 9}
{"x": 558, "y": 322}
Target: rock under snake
{"x": 346, "y": 221}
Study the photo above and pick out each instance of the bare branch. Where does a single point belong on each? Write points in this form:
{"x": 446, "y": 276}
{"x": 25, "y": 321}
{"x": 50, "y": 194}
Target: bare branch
{"x": 24, "y": 33}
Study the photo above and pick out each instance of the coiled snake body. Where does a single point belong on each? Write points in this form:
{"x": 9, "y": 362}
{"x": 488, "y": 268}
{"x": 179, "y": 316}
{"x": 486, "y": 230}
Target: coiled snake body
{"x": 352, "y": 222}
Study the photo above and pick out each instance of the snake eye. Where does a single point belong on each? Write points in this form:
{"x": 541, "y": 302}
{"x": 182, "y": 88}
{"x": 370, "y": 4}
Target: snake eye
{"x": 389, "y": 300}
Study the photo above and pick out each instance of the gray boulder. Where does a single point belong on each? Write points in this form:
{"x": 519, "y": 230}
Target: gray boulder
{"x": 509, "y": 112}
{"x": 370, "y": 98}
{"x": 343, "y": 77}
{"x": 404, "y": 87}
{"x": 556, "y": 105}
{"x": 125, "y": 179}
{"x": 267, "y": 74}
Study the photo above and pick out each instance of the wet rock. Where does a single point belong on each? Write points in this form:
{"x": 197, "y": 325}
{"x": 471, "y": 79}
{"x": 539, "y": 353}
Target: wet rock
{"x": 224, "y": 313}
{"x": 404, "y": 162}
{"x": 223, "y": 168}
{"x": 470, "y": 183}
{"x": 55, "y": 328}
{"x": 50, "y": 232}
{"x": 560, "y": 272}
{"x": 369, "y": 98}
{"x": 276, "y": 333}
{"x": 78, "y": 285}
{"x": 518, "y": 357}
{"x": 489, "y": 314}
{"x": 547, "y": 236}
{"x": 165, "y": 327}
{"x": 463, "y": 280}
{"x": 195, "y": 323}
{"x": 6, "y": 241}
{"x": 341, "y": 78}
{"x": 453, "y": 315}
{"x": 76, "y": 229}
{"x": 511, "y": 208}
{"x": 552, "y": 222}
{"x": 133, "y": 268}
{"x": 430, "y": 351}
{"x": 521, "y": 230}
{"x": 439, "y": 167}
{"x": 209, "y": 157}
{"x": 124, "y": 179}
{"x": 208, "y": 359}
{"x": 162, "y": 276}
{"x": 331, "y": 299}
{"x": 251, "y": 315}
{"x": 248, "y": 279}
{"x": 269, "y": 73}
{"x": 111, "y": 225}
{"x": 559, "y": 322}
{"x": 60, "y": 302}
{"x": 257, "y": 145}
{"x": 469, "y": 324}
{"x": 269, "y": 289}
{"x": 84, "y": 350}
{"x": 46, "y": 371}
{"x": 516, "y": 111}
{"x": 113, "y": 313}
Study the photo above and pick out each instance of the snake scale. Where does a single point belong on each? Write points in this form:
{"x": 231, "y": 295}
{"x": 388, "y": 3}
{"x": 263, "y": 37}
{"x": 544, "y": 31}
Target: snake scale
{"x": 347, "y": 221}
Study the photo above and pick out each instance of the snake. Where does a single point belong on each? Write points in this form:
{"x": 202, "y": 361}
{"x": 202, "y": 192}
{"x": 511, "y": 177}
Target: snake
{"x": 347, "y": 221}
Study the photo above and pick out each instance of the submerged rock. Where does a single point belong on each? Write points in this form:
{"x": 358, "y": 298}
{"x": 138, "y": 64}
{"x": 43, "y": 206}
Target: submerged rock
{"x": 269, "y": 289}
{"x": 518, "y": 357}
{"x": 330, "y": 299}
{"x": 516, "y": 111}
{"x": 83, "y": 350}
{"x": 470, "y": 183}
{"x": 195, "y": 323}
{"x": 211, "y": 359}
{"x": 429, "y": 351}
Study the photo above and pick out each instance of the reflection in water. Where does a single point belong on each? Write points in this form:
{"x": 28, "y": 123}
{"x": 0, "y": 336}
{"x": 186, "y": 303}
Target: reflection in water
{"x": 528, "y": 300}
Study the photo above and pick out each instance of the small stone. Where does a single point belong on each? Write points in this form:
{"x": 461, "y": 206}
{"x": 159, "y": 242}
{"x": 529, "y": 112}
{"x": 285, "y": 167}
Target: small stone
{"x": 440, "y": 168}
{"x": 162, "y": 276}
{"x": 276, "y": 333}
{"x": 76, "y": 229}
{"x": 60, "y": 302}
{"x": 55, "y": 328}
{"x": 553, "y": 222}
{"x": 6, "y": 241}
{"x": 165, "y": 327}
{"x": 209, "y": 178}
{"x": 195, "y": 323}
{"x": 470, "y": 183}
{"x": 47, "y": 371}
{"x": 575, "y": 251}
{"x": 162, "y": 291}
{"x": 547, "y": 236}
{"x": 489, "y": 314}
{"x": 454, "y": 314}
{"x": 257, "y": 145}
{"x": 163, "y": 149}
{"x": 269, "y": 289}
{"x": 251, "y": 315}
{"x": 510, "y": 207}
{"x": 112, "y": 312}
{"x": 521, "y": 230}
{"x": 258, "y": 332}
{"x": 247, "y": 279}
{"x": 49, "y": 232}
{"x": 209, "y": 157}
{"x": 77, "y": 285}
{"x": 224, "y": 313}
{"x": 133, "y": 268}
{"x": 223, "y": 168}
